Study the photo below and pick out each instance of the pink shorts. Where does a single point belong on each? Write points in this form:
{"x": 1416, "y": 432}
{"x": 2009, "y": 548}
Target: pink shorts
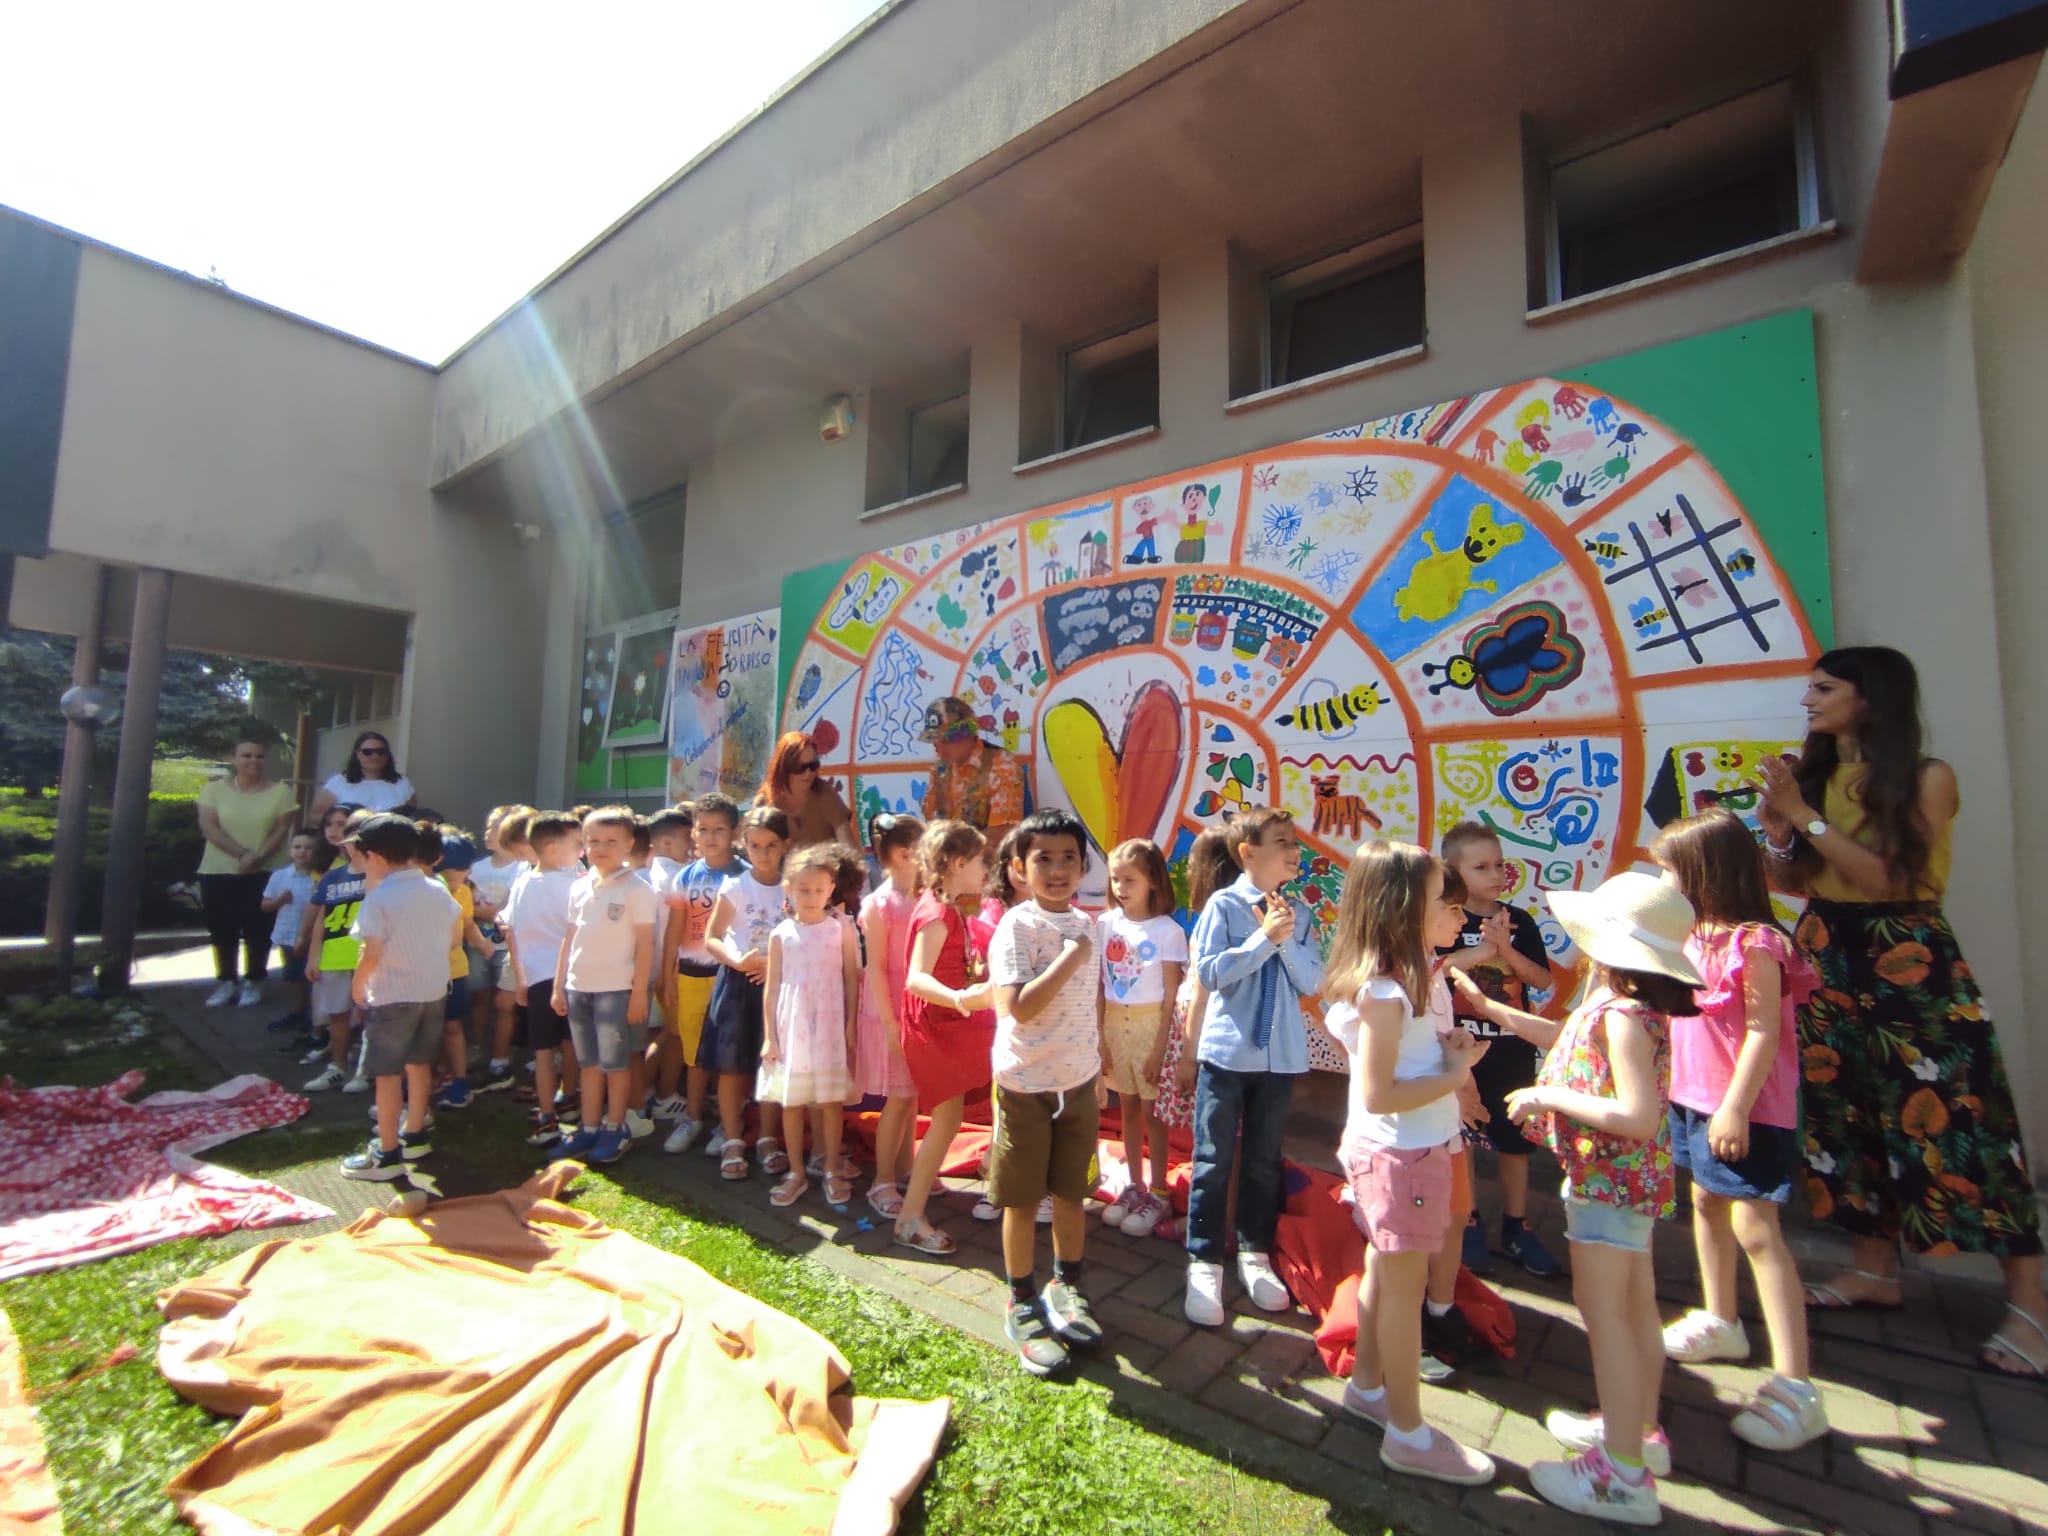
{"x": 1402, "y": 1199}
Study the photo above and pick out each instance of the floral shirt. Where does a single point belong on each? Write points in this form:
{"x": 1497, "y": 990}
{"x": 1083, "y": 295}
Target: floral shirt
{"x": 985, "y": 791}
{"x": 1601, "y": 1168}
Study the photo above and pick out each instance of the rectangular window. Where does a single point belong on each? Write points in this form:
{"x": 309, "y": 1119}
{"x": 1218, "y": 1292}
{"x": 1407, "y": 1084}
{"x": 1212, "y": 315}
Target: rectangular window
{"x": 638, "y": 564}
{"x": 1359, "y": 304}
{"x": 1111, "y": 387}
{"x": 1699, "y": 186}
{"x": 938, "y": 446}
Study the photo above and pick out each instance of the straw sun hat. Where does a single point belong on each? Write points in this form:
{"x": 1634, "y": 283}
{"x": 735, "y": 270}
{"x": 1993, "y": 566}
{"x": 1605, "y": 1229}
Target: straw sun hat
{"x": 1634, "y": 922}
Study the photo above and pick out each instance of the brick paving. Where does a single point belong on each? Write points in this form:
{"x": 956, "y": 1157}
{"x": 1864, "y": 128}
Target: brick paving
{"x": 1925, "y": 1442}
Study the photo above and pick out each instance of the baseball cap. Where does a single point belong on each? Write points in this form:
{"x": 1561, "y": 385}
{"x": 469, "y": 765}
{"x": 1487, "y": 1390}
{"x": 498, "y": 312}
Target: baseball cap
{"x": 458, "y": 853}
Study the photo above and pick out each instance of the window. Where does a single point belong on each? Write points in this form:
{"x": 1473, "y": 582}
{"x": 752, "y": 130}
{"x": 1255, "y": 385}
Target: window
{"x": 1111, "y": 387}
{"x": 1715, "y": 181}
{"x": 1359, "y": 304}
{"x": 638, "y": 564}
{"x": 938, "y": 446}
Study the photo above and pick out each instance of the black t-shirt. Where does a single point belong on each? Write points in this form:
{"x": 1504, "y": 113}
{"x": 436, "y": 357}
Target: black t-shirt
{"x": 1497, "y": 981}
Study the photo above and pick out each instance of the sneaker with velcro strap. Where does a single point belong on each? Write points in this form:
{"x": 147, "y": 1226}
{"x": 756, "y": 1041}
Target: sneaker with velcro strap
{"x": 1039, "y": 1351}
{"x": 1066, "y": 1309}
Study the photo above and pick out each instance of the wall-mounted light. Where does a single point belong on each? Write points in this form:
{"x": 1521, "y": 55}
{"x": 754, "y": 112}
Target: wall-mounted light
{"x": 836, "y": 420}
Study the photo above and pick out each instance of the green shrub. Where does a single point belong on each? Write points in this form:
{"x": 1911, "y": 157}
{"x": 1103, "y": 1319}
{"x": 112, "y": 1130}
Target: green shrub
{"x": 171, "y": 852}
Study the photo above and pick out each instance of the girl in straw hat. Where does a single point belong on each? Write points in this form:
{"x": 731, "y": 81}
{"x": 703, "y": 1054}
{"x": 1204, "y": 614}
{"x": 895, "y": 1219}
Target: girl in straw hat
{"x": 1600, "y": 1103}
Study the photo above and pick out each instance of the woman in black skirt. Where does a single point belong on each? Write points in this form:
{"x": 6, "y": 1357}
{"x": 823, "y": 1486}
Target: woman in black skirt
{"x": 1910, "y": 1130}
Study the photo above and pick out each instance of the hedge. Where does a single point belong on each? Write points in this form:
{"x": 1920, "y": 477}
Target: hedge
{"x": 170, "y": 857}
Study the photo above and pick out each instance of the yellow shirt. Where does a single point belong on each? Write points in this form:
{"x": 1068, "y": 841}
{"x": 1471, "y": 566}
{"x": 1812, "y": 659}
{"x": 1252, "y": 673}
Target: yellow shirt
{"x": 1844, "y": 812}
{"x": 246, "y": 816}
{"x": 458, "y": 957}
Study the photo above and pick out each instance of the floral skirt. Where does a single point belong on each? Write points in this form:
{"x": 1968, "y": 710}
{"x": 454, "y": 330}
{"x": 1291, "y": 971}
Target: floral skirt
{"x": 1909, "y": 1121}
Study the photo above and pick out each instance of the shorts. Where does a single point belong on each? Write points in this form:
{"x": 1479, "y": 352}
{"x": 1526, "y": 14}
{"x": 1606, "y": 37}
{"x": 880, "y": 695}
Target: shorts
{"x": 457, "y": 1004}
{"x": 479, "y": 973}
{"x": 333, "y": 994}
{"x": 496, "y": 973}
{"x": 1044, "y": 1145}
{"x": 291, "y": 964}
{"x": 693, "y": 1001}
{"x": 545, "y": 1028}
{"x": 1607, "y": 1225}
{"x": 597, "y": 1023}
{"x": 1508, "y": 1064}
{"x": 400, "y": 1035}
{"x": 732, "y": 1032}
{"x": 1401, "y": 1197}
{"x": 1129, "y": 1032}
{"x": 1766, "y": 1173}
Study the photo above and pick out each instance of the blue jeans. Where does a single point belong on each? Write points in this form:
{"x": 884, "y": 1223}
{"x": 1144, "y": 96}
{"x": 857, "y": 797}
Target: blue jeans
{"x": 1227, "y": 1104}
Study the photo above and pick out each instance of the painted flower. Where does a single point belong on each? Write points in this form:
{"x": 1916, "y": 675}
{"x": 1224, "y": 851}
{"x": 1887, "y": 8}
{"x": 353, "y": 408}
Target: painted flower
{"x": 1924, "y": 1115}
{"x": 1927, "y": 1071}
{"x": 1819, "y": 1203}
{"x": 1822, "y": 1063}
{"x": 1905, "y": 965}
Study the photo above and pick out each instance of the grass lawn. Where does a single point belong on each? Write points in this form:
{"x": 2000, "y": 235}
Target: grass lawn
{"x": 1021, "y": 1457}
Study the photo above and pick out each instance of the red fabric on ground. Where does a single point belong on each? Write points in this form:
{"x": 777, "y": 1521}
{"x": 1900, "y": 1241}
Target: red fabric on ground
{"x": 85, "y": 1174}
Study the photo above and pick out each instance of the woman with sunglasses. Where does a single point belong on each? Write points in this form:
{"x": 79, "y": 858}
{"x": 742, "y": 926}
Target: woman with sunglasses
{"x": 371, "y": 781}
{"x": 793, "y": 785}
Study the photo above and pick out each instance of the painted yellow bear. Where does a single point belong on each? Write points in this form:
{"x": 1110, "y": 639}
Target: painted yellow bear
{"x": 1442, "y": 577}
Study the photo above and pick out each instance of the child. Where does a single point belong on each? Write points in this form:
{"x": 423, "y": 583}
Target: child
{"x": 813, "y": 974}
{"x": 285, "y": 895}
{"x": 1600, "y": 1101}
{"x": 1210, "y": 867}
{"x": 880, "y": 1067}
{"x": 748, "y": 907}
{"x": 1735, "y": 1117}
{"x": 1448, "y": 1341}
{"x": 494, "y": 994}
{"x": 1144, "y": 953}
{"x": 949, "y": 1028}
{"x": 1392, "y": 1013}
{"x": 1001, "y": 888}
{"x": 1047, "y": 1052}
{"x": 448, "y": 853}
{"x": 406, "y": 923}
{"x": 1254, "y": 952}
{"x": 668, "y": 852}
{"x": 687, "y": 969}
{"x": 602, "y": 970}
{"x": 536, "y": 923}
{"x": 1500, "y": 949}
{"x": 332, "y": 949}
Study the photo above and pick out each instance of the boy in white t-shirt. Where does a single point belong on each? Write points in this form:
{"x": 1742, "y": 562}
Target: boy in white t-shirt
{"x": 536, "y": 921}
{"x": 601, "y": 980}
{"x": 1048, "y": 1050}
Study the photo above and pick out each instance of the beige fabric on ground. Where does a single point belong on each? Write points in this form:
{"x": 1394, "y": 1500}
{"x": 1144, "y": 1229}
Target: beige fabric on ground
{"x": 506, "y": 1363}
{"x": 28, "y": 1498}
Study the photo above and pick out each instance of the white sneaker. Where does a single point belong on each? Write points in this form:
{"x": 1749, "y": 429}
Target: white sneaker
{"x": 1580, "y": 1432}
{"x": 250, "y": 996}
{"x": 1204, "y": 1304}
{"x": 1115, "y": 1213}
{"x": 671, "y": 1108}
{"x": 715, "y": 1145}
{"x": 1700, "y": 1336}
{"x": 1255, "y": 1274}
{"x": 638, "y": 1126}
{"x": 686, "y": 1132}
{"x": 327, "y": 1080}
{"x": 1590, "y": 1486}
{"x": 356, "y": 1084}
{"x": 1147, "y": 1211}
{"x": 985, "y": 1210}
{"x": 222, "y": 994}
{"x": 1783, "y": 1416}
{"x": 1045, "y": 1211}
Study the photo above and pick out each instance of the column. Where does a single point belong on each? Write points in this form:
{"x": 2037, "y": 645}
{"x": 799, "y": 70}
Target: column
{"x": 131, "y": 778}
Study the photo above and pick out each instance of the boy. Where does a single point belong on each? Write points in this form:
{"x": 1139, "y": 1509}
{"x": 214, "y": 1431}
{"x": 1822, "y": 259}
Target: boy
{"x": 457, "y": 855}
{"x": 1048, "y": 1051}
{"x": 407, "y": 924}
{"x": 536, "y": 922}
{"x": 494, "y": 878}
{"x": 1501, "y": 950}
{"x": 668, "y": 851}
{"x": 332, "y": 951}
{"x": 285, "y": 896}
{"x": 601, "y": 975}
{"x": 687, "y": 968}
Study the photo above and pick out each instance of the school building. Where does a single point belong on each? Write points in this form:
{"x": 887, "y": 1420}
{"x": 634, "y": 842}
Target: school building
{"x": 1003, "y": 298}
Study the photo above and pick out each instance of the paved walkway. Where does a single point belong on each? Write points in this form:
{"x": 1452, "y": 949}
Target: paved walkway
{"x": 1925, "y": 1442}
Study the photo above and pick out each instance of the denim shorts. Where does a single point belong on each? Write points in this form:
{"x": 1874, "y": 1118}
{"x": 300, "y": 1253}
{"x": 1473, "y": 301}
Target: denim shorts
{"x": 1766, "y": 1173}
{"x": 1608, "y": 1225}
{"x": 597, "y": 1023}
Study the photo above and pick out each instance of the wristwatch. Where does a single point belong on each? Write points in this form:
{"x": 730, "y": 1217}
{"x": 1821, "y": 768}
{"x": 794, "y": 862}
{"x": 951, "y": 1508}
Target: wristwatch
{"x": 1817, "y": 826}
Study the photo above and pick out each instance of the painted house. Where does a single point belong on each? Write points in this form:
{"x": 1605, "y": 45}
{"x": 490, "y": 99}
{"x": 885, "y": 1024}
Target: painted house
{"x": 1560, "y": 377}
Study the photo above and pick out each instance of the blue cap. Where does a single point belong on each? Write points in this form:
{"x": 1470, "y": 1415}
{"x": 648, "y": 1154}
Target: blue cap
{"x": 458, "y": 853}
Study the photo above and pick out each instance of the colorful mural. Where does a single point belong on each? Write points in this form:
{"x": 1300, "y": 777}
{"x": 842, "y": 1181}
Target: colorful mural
{"x": 722, "y": 717}
{"x": 640, "y": 683}
{"x": 1540, "y": 607}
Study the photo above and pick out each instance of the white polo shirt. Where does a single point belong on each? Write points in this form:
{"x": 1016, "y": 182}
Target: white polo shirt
{"x": 604, "y": 915}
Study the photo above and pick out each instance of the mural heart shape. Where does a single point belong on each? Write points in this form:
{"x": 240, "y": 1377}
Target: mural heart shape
{"x": 1118, "y": 792}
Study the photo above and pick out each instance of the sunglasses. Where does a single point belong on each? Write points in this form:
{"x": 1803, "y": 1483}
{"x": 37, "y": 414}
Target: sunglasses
{"x": 809, "y": 767}
{"x": 373, "y": 751}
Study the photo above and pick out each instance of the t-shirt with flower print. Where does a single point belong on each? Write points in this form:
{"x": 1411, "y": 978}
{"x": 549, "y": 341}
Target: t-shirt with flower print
{"x": 1600, "y": 1167}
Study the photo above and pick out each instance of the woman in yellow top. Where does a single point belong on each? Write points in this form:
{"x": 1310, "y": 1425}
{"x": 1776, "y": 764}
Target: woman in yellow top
{"x": 1910, "y": 1127}
{"x": 245, "y": 819}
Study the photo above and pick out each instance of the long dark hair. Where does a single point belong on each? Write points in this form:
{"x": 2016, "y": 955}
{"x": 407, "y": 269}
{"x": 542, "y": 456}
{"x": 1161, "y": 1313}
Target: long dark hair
{"x": 1718, "y": 866}
{"x": 1890, "y": 737}
{"x": 353, "y": 773}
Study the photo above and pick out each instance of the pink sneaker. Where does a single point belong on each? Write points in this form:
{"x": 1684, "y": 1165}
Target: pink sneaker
{"x": 1118, "y": 1210}
{"x": 1144, "y": 1214}
{"x": 1445, "y": 1461}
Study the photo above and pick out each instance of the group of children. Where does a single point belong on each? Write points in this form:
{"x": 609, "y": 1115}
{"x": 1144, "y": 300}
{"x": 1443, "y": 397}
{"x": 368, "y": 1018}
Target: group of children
{"x": 691, "y": 966}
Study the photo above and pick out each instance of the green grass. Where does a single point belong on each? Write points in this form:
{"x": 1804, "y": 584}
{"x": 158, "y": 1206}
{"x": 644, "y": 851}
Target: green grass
{"x": 1021, "y": 1457}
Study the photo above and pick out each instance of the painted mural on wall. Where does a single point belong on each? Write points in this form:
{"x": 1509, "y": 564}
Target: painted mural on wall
{"x": 593, "y": 704}
{"x": 722, "y": 718}
{"x": 1540, "y": 607}
{"x": 640, "y": 682}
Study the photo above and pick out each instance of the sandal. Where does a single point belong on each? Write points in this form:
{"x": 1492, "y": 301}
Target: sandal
{"x": 885, "y": 1200}
{"x": 838, "y": 1191}
{"x": 732, "y": 1160}
{"x": 1826, "y": 1297}
{"x": 773, "y": 1159}
{"x": 790, "y": 1190}
{"x": 924, "y": 1237}
{"x": 2036, "y": 1363}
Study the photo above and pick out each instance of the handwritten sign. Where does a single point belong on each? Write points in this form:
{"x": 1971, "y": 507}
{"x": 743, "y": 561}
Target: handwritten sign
{"x": 1096, "y": 620}
{"x": 722, "y": 714}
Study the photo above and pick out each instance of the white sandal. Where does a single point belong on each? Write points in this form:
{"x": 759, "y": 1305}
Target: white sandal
{"x": 1781, "y": 1418}
{"x": 2036, "y": 1364}
{"x": 1824, "y": 1297}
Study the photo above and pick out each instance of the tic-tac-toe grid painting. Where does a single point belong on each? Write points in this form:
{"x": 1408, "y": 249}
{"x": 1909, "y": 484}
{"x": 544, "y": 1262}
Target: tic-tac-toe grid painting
{"x": 1570, "y": 608}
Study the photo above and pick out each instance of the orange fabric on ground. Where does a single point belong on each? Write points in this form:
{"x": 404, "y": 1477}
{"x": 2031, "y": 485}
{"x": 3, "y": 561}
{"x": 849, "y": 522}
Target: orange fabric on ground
{"x": 505, "y": 1363}
{"x": 28, "y": 1499}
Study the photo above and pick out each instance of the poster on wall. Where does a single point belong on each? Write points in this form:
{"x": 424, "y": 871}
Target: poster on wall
{"x": 600, "y": 660}
{"x": 1567, "y": 608}
{"x": 722, "y": 718}
{"x": 638, "y": 714}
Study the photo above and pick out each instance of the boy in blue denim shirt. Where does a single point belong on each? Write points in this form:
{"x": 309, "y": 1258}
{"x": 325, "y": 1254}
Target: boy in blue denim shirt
{"x": 1254, "y": 953}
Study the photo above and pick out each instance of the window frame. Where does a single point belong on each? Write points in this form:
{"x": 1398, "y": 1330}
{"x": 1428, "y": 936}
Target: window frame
{"x": 1312, "y": 279}
{"x": 1116, "y": 349}
{"x": 911, "y": 489}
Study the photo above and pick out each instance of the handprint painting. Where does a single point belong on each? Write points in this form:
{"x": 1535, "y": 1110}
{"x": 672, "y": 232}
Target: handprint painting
{"x": 1569, "y": 608}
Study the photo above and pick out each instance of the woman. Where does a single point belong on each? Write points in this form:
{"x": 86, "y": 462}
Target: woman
{"x": 815, "y": 811}
{"x": 1910, "y": 1123}
{"x": 371, "y": 782}
{"x": 245, "y": 819}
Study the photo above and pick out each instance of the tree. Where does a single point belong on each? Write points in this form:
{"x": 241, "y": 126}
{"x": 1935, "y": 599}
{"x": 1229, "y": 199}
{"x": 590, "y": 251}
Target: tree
{"x": 35, "y": 670}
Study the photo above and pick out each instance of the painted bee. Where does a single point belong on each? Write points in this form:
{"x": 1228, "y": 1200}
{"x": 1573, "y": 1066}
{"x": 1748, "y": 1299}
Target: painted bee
{"x": 1331, "y": 715}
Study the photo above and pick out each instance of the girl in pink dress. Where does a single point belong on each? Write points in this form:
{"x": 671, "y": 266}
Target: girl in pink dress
{"x": 879, "y": 1065}
{"x": 813, "y": 975}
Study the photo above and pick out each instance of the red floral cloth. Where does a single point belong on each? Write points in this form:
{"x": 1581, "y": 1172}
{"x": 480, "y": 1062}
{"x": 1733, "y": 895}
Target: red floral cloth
{"x": 85, "y": 1174}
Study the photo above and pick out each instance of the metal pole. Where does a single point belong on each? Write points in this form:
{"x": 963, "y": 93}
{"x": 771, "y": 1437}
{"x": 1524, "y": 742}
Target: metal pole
{"x": 131, "y": 778}
{"x": 74, "y": 794}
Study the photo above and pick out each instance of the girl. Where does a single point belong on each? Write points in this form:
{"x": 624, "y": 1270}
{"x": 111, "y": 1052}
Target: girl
{"x": 1392, "y": 1012}
{"x": 949, "y": 1020}
{"x": 880, "y": 1067}
{"x": 1254, "y": 951}
{"x": 1144, "y": 953}
{"x": 1735, "y": 1117}
{"x": 1002, "y": 889}
{"x": 813, "y": 973}
{"x": 748, "y": 907}
{"x": 1599, "y": 1100}
{"x": 494, "y": 1000}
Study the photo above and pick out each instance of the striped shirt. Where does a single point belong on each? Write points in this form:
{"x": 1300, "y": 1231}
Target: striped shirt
{"x": 414, "y": 918}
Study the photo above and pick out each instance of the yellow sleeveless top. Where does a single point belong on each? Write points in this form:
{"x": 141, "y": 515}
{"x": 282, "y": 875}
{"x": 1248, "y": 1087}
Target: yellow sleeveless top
{"x": 1844, "y": 812}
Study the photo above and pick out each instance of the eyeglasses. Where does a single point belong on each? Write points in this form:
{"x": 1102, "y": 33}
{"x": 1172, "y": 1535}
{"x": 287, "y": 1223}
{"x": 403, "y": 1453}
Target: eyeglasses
{"x": 810, "y": 767}
{"x": 373, "y": 751}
